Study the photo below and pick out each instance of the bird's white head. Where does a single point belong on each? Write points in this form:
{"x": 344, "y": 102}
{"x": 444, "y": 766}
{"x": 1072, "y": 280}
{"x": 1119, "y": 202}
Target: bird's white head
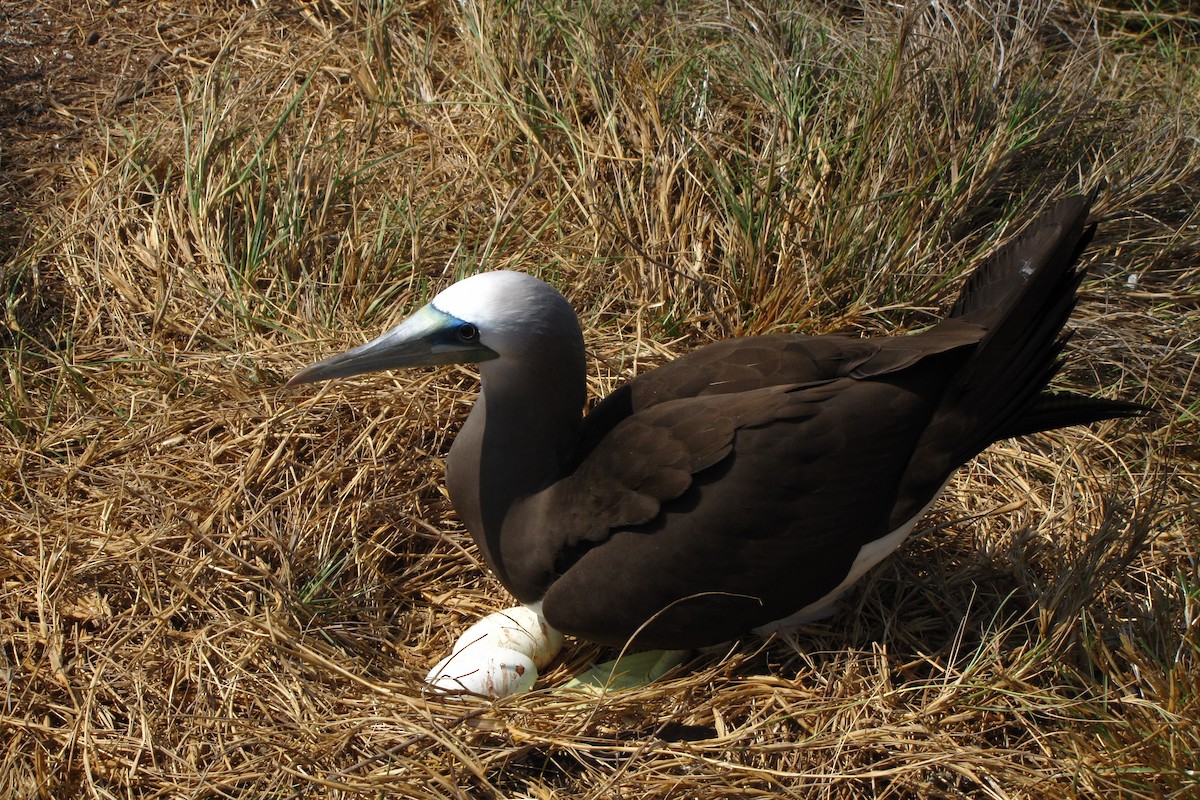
{"x": 507, "y": 317}
{"x": 515, "y": 314}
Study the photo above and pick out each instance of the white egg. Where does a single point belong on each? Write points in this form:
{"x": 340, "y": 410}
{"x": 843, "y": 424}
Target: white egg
{"x": 520, "y": 628}
{"x": 491, "y": 671}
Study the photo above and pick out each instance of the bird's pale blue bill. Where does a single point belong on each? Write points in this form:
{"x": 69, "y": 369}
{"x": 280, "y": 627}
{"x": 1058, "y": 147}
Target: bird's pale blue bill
{"x": 428, "y": 338}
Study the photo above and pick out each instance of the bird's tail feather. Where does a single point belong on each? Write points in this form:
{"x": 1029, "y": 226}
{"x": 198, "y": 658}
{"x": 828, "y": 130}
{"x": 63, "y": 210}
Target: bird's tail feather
{"x": 1022, "y": 296}
{"x": 1063, "y": 409}
{"x": 1027, "y": 269}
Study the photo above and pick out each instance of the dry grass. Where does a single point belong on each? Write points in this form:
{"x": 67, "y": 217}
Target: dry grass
{"x": 209, "y": 588}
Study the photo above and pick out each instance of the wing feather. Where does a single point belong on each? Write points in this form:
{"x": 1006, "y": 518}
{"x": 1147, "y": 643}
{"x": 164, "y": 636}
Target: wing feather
{"x": 651, "y": 457}
{"x": 670, "y": 442}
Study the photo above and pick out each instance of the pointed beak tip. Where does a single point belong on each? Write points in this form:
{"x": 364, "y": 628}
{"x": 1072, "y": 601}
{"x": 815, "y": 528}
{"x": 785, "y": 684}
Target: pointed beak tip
{"x": 301, "y": 378}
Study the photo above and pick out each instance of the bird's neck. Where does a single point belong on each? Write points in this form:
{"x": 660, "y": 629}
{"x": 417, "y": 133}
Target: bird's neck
{"x": 517, "y": 440}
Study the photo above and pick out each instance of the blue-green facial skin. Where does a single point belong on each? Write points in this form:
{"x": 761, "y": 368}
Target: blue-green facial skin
{"x": 431, "y": 337}
{"x": 428, "y": 338}
{"x": 455, "y": 338}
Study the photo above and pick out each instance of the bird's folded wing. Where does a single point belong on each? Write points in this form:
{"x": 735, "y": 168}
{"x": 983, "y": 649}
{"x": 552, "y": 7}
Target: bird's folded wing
{"x": 650, "y": 457}
{"x": 654, "y": 446}
{"x": 736, "y": 366}
{"x": 788, "y": 488}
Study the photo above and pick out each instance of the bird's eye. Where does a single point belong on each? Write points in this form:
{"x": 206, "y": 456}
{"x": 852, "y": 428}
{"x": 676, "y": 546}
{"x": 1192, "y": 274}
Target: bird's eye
{"x": 468, "y": 333}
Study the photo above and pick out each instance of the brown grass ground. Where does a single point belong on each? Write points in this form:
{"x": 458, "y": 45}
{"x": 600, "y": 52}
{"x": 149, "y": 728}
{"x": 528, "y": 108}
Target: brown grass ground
{"x": 210, "y": 588}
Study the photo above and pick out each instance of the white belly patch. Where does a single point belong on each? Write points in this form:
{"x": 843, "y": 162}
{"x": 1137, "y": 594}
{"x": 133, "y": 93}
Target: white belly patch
{"x": 868, "y": 556}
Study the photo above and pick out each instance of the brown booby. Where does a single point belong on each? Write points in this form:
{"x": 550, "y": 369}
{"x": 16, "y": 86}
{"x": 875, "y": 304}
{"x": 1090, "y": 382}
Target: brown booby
{"x": 745, "y": 485}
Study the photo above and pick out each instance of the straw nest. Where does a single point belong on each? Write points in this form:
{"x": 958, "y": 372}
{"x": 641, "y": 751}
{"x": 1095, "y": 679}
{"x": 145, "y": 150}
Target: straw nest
{"x": 211, "y": 588}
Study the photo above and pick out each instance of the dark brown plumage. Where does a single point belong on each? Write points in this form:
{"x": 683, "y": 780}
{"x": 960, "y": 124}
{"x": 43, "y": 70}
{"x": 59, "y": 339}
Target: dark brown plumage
{"x": 737, "y": 485}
